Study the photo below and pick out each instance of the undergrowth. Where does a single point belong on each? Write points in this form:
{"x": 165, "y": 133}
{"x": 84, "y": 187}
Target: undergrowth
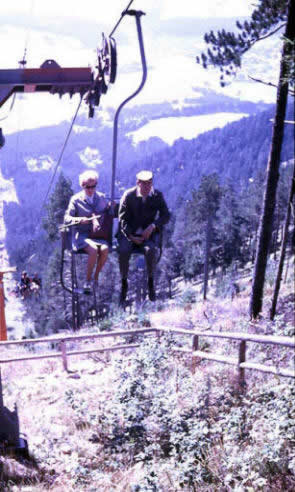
{"x": 143, "y": 422}
{"x": 164, "y": 429}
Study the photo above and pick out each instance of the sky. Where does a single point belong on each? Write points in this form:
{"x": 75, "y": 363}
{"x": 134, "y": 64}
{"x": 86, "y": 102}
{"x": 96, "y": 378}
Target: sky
{"x": 69, "y": 31}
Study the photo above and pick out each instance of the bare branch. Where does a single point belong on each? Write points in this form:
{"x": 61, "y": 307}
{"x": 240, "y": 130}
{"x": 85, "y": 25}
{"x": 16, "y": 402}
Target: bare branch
{"x": 270, "y": 33}
{"x": 262, "y": 81}
{"x": 290, "y": 91}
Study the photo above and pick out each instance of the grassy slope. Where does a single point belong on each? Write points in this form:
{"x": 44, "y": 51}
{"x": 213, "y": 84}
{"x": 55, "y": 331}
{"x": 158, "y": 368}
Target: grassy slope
{"x": 65, "y": 416}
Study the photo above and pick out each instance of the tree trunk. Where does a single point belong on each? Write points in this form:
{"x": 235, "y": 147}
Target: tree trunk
{"x": 254, "y": 244}
{"x": 275, "y": 238}
{"x": 283, "y": 250}
{"x": 207, "y": 254}
{"x": 265, "y": 227}
{"x": 170, "y": 287}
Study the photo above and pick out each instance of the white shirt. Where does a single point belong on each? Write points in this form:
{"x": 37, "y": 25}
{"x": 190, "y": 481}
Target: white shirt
{"x": 89, "y": 199}
{"x": 138, "y": 193}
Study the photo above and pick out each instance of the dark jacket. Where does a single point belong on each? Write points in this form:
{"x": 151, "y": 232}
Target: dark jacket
{"x": 134, "y": 213}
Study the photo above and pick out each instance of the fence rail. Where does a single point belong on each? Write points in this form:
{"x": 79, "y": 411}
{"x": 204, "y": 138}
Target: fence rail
{"x": 240, "y": 362}
{"x": 86, "y": 336}
{"x": 194, "y": 352}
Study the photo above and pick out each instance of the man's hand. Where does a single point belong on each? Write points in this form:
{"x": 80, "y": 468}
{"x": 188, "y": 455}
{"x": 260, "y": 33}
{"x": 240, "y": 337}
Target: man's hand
{"x": 148, "y": 231}
{"x": 136, "y": 239}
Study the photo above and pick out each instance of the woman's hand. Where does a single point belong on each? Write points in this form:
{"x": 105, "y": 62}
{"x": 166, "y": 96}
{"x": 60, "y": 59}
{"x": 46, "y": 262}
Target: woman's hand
{"x": 83, "y": 220}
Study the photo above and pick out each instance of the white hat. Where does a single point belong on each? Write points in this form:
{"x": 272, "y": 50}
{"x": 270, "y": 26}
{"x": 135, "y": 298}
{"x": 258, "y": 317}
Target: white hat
{"x": 144, "y": 175}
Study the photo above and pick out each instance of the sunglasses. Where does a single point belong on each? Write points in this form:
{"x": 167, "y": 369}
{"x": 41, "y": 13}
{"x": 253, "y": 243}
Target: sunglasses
{"x": 90, "y": 187}
{"x": 149, "y": 182}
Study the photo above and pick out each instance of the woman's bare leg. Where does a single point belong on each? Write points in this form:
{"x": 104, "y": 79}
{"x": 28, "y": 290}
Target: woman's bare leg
{"x": 92, "y": 257}
{"x": 103, "y": 252}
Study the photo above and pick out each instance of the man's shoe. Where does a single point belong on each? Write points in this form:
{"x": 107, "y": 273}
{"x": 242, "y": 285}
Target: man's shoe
{"x": 151, "y": 289}
{"x": 124, "y": 289}
{"x": 87, "y": 288}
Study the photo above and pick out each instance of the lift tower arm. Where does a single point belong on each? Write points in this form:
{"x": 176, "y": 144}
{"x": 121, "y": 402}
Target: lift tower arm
{"x": 52, "y": 78}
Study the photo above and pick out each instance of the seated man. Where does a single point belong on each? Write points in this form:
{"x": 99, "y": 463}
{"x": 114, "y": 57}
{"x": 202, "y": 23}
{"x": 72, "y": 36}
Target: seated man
{"x": 142, "y": 213}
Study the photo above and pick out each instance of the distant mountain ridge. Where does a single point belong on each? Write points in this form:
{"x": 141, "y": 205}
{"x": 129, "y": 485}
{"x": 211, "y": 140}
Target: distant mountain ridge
{"x": 97, "y": 133}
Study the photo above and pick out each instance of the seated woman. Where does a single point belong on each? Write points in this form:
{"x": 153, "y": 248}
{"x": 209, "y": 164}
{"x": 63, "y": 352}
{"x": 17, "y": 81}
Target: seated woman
{"x": 86, "y": 204}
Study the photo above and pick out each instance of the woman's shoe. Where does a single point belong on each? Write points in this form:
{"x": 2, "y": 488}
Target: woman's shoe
{"x": 87, "y": 288}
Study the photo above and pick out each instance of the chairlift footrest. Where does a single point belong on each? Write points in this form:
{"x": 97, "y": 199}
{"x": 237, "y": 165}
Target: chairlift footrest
{"x": 78, "y": 291}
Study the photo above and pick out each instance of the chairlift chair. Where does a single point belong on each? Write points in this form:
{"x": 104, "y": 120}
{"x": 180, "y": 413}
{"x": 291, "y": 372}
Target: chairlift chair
{"x": 109, "y": 48}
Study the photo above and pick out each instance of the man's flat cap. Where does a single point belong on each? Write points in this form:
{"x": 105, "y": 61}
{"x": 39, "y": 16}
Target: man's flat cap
{"x": 144, "y": 175}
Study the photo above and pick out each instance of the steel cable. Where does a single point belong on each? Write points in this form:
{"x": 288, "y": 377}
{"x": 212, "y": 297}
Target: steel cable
{"x": 61, "y": 154}
{"x": 119, "y": 21}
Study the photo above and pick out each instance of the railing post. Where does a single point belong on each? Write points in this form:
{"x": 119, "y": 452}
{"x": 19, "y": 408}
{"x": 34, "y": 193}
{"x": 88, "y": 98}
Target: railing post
{"x": 195, "y": 346}
{"x": 3, "y": 328}
{"x": 242, "y": 358}
{"x": 64, "y": 354}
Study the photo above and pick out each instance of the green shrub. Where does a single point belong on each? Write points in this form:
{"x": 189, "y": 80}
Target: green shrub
{"x": 189, "y": 296}
{"x": 186, "y": 435}
{"x": 179, "y": 435}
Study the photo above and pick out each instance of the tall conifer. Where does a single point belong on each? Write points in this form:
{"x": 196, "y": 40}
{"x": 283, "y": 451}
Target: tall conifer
{"x": 226, "y": 53}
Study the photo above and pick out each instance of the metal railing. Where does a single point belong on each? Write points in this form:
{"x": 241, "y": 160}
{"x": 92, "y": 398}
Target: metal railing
{"x": 240, "y": 361}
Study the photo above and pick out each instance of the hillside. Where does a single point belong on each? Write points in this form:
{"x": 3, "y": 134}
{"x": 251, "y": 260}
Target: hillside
{"x": 237, "y": 153}
{"x": 140, "y": 420}
{"x": 238, "y": 150}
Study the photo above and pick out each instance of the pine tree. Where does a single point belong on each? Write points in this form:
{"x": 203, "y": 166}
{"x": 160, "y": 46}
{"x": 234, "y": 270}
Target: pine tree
{"x": 228, "y": 49}
{"x": 229, "y": 231}
{"x": 56, "y": 207}
{"x": 201, "y": 212}
{"x": 250, "y": 209}
{"x": 50, "y": 312}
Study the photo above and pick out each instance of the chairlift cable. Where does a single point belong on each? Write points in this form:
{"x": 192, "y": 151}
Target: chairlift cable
{"x": 61, "y": 154}
{"x": 33, "y": 240}
{"x": 122, "y": 15}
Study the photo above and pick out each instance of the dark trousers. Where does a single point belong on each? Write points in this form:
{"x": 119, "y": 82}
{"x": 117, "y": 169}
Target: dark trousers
{"x": 148, "y": 248}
